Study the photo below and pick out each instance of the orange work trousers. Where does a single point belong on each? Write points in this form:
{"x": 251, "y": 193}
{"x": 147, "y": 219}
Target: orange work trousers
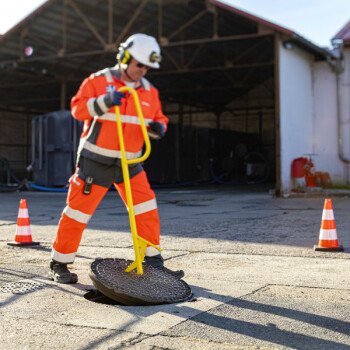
{"x": 81, "y": 207}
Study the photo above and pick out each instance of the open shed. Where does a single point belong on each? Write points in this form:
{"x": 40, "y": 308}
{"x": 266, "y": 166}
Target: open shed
{"x": 233, "y": 85}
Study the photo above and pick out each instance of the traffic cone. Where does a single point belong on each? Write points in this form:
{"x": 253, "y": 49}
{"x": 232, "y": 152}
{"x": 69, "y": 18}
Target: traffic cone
{"x": 23, "y": 232}
{"x": 328, "y": 241}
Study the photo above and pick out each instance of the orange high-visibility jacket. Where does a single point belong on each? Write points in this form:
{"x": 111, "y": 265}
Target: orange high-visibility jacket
{"x": 99, "y": 139}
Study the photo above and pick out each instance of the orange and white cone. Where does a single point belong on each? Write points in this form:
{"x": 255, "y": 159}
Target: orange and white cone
{"x": 328, "y": 240}
{"x": 23, "y": 232}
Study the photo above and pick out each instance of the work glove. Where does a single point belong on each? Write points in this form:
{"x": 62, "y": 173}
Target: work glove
{"x": 114, "y": 98}
{"x": 156, "y": 130}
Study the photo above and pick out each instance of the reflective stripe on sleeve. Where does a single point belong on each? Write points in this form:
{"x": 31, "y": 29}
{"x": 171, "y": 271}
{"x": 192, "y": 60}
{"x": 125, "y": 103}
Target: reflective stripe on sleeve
{"x": 90, "y": 106}
{"x": 108, "y": 74}
{"x": 109, "y": 152}
{"x": 77, "y": 215}
{"x": 62, "y": 258}
{"x": 145, "y": 207}
{"x": 101, "y": 103}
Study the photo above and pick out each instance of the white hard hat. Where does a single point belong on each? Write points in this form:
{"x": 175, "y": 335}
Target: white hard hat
{"x": 144, "y": 48}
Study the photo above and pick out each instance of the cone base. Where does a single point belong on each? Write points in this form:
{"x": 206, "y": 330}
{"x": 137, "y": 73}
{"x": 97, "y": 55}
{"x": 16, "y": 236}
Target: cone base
{"x": 329, "y": 249}
{"x": 23, "y": 244}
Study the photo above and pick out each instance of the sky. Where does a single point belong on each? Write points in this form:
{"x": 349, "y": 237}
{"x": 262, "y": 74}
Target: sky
{"x": 316, "y": 20}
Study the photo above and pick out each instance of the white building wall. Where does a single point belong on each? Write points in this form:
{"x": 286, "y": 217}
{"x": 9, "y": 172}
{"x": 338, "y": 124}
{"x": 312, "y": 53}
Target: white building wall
{"x": 326, "y": 122}
{"x": 296, "y": 109}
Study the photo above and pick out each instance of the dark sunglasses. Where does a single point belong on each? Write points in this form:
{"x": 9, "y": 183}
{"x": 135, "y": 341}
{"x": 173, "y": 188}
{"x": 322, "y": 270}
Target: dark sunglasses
{"x": 141, "y": 65}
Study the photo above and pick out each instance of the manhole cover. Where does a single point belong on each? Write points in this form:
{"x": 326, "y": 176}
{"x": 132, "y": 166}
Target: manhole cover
{"x": 21, "y": 287}
{"x": 154, "y": 287}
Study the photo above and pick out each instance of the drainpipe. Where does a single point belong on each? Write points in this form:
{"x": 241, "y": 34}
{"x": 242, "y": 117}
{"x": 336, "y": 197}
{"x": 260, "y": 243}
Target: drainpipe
{"x": 337, "y": 65}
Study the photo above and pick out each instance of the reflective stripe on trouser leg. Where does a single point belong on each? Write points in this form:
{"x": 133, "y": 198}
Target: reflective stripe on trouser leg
{"x": 74, "y": 219}
{"x": 145, "y": 207}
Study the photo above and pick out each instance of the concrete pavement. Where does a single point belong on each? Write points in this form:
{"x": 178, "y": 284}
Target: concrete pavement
{"x": 248, "y": 257}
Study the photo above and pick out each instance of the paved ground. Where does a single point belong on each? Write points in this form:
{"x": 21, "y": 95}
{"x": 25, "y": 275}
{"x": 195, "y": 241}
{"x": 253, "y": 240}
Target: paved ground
{"x": 248, "y": 257}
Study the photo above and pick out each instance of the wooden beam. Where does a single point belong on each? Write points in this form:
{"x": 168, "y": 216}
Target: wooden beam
{"x": 216, "y": 68}
{"x": 251, "y": 48}
{"x": 88, "y": 23}
{"x": 109, "y": 49}
{"x": 63, "y": 95}
{"x": 174, "y": 62}
{"x": 193, "y": 57}
{"x": 214, "y": 40}
{"x": 131, "y": 22}
{"x": 42, "y": 41}
{"x": 187, "y": 24}
{"x": 175, "y": 91}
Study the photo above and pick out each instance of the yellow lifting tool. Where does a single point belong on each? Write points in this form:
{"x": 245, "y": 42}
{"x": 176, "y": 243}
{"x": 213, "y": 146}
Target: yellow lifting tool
{"x": 140, "y": 244}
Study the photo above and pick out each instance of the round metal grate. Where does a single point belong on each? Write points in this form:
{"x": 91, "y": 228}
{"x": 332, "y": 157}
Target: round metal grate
{"x": 21, "y": 287}
{"x": 154, "y": 287}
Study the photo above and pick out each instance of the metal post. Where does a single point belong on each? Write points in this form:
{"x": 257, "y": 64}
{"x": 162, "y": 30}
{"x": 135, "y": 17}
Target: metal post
{"x": 63, "y": 95}
{"x": 178, "y": 143}
{"x": 277, "y": 117}
{"x": 260, "y": 116}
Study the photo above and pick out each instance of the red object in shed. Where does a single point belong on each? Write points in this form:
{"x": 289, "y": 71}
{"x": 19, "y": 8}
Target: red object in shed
{"x": 298, "y": 167}
{"x": 311, "y": 181}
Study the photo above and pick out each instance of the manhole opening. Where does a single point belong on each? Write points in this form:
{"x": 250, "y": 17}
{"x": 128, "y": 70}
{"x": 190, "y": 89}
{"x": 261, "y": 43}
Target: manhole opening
{"x": 96, "y": 296}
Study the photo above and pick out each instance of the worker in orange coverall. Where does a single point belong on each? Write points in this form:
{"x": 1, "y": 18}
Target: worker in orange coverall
{"x": 99, "y": 164}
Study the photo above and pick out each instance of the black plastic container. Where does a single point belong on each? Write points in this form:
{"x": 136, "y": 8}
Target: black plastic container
{"x": 55, "y": 138}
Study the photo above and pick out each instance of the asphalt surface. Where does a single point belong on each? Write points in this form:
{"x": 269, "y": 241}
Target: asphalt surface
{"x": 248, "y": 257}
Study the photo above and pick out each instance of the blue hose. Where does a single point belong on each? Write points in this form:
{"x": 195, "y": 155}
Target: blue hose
{"x": 34, "y": 186}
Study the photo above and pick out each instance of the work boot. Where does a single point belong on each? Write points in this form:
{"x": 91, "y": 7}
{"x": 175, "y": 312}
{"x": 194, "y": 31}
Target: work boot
{"x": 59, "y": 273}
{"x": 157, "y": 261}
